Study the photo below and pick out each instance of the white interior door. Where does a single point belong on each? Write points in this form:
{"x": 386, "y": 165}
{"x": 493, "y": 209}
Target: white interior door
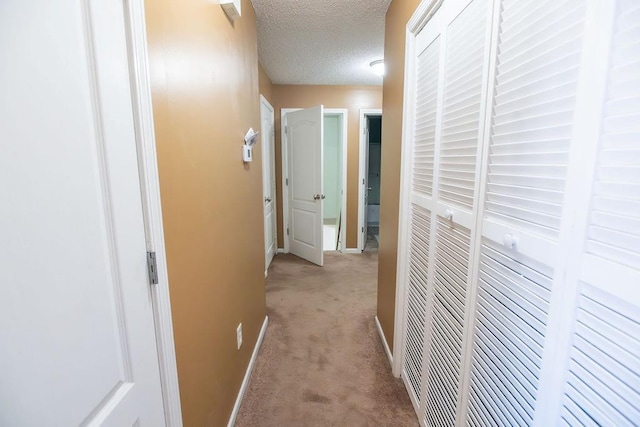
{"x": 268, "y": 181}
{"x": 304, "y": 131}
{"x": 76, "y": 324}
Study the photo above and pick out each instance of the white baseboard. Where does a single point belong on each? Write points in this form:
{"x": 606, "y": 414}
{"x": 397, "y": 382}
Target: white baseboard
{"x": 384, "y": 342}
{"x": 280, "y": 250}
{"x": 351, "y": 251}
{"x": 247, "y": 375}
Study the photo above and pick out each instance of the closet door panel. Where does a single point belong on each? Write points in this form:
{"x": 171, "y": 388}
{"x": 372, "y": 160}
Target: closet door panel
{"x": 603, "y": 375}
{"x": 602, "y": 380}
{"x": 614, "y": 229}
{"x": 425, "y": 119}
{"x": 534, "y": 101}
{"x": 512, "y": 307}
{"x": 463, "y": 95}
{"x": 420, "y": 214}
{"x": 448, "y": 323}
{"x": 457, "y": 145}
{"x": 417, "y": 302}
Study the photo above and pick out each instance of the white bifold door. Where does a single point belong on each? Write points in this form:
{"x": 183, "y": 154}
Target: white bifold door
{"x": 76, "y": 324}
{"x": 519, "y": 257}
{"x": 304, "y": 135}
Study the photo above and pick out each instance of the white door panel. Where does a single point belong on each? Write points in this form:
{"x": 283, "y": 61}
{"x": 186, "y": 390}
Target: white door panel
{"x": 304, "y": 137}
{"x": 75, "y": 317}
{"x": 268, "y": 182}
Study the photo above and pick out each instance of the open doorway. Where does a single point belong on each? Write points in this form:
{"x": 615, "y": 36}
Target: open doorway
{"x": 333, "y": 179}
{"x": 369, "y": 188}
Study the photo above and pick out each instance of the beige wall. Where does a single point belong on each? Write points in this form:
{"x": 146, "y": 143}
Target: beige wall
{"x": 353, "y": 98}
{"x": 204, "y": 72}
{"x": 395, "y": 26}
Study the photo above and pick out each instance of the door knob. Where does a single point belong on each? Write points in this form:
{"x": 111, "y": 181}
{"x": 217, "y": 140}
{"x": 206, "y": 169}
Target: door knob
{"x": 317, "y": 197}
{"x": 370, "y": 188}
{"x": 322, "y": 197}
{"x": 267, "y": 199}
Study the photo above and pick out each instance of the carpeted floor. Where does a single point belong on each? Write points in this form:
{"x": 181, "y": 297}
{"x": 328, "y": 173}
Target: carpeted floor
{"x": 322, "y": 362}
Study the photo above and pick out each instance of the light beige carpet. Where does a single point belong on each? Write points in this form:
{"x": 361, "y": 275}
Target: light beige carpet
{"x": 322, "y": 362}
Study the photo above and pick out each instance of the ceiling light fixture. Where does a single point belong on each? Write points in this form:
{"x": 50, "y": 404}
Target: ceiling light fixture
{"x": 378, "y": 67}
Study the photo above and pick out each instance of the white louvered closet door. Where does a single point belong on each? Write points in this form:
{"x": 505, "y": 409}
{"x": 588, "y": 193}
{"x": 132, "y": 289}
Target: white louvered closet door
{"x": 421, "y": 182}
{"x": 523, "y": 240}
{"x": 452, "y": 62}
{"x": 466, "y": 35}
{"x": 537, "y": 70}
{"x": 602, "y": 378}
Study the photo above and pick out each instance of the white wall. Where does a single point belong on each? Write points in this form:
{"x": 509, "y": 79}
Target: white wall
{"x": 332, "y": 166}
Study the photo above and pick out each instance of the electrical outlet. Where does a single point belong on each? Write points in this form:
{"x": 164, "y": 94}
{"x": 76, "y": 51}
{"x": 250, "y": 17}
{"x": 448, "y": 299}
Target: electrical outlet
{"x": 239, "y": 335}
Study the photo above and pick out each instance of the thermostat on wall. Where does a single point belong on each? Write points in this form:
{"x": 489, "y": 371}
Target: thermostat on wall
{"x": 233, "y": 8}
{"x": 250, "y": 140}
{"x": 247, "y": 152}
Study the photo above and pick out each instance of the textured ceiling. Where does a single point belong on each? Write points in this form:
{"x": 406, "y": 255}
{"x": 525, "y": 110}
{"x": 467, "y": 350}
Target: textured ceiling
{"x": 316, "y": 42}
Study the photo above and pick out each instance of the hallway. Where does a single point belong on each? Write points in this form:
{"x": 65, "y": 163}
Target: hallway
{"x": 322, "y": 362}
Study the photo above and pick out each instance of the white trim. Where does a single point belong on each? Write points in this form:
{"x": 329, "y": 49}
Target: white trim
{"x": 351, "y": 251}
{"x": 152, "y": 210}
{"x": 264, "y": 100}
{"x": 247, "y": 375}
{"x": 425, "y": 10}
{"x": 281, "y": 250}
{"x": 384, "y": 341}
{"x": 363, "y": 168}
{"x": 344, "y": 113}
{"x": 266, "y": 103}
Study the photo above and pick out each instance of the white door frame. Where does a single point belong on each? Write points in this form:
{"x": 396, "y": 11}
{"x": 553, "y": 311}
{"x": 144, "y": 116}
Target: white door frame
{"x": 344, "y": 113}
{"x": 152, "y": 209}
{"x": 363, "y": 168}
{"x": 266, "y": 103}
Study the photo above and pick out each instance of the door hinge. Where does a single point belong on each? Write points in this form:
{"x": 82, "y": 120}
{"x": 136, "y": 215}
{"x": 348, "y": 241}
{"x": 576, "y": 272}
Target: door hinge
{"x": 362, "y": 181}
{"x": 152, "y": 267}
{"x": 362, "y": 229}
{"x": 287, "y": 231}
{"x": 286, "y": 130}
{"x": 286, "y": 181}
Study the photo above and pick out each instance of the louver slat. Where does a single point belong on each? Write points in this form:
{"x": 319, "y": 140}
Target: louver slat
{"x": 417, "y": 299}
{"x": 534, "y": 99}
{"x": 461, "y": 110}
{"x": 603, "y": 382}
{"x": 445, "y": 347}
{"x": 614, "y": 231}
{"x": 425, "y": 119}
{"x": 512, "y": 306}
